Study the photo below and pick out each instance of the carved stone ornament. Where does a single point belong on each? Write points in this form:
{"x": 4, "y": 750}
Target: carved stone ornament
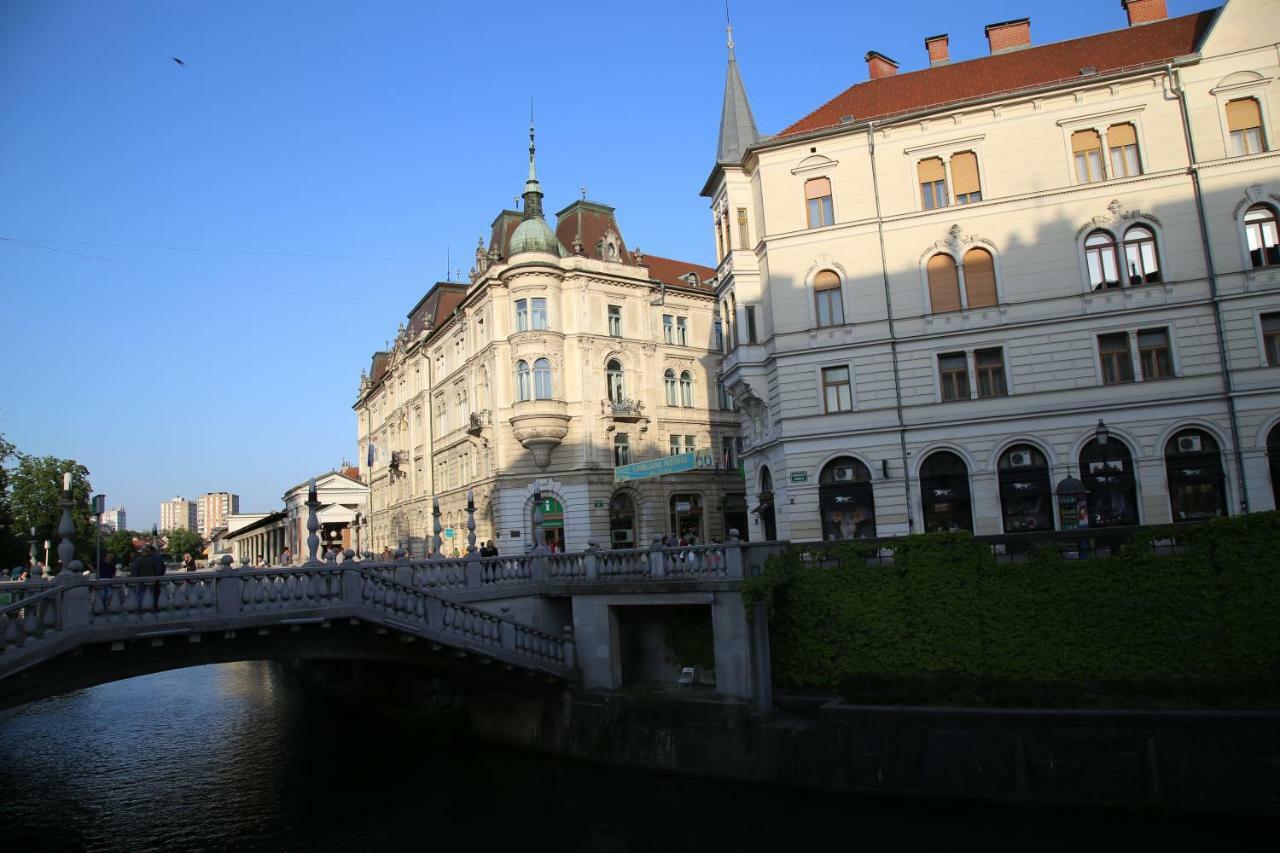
{"x": 955, "y": 243}
{"x": 756, "y": 410}
{"x": 1116, "y": 214}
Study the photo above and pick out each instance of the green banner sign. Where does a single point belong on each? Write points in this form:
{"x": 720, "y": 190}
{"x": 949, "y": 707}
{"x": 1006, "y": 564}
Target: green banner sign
{"x": 673, "y": 464}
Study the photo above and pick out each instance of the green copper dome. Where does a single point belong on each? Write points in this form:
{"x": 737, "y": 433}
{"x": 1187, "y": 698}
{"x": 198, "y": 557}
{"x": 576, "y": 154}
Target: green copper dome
{"x": 534, "y": 235}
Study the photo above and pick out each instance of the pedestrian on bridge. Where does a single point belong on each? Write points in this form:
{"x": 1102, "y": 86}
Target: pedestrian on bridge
{"x": 146, "y": 565}
{"x": 188, "y": 563}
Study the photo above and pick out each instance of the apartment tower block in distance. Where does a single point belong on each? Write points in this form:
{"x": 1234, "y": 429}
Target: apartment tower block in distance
{"x": 178, "y": 514}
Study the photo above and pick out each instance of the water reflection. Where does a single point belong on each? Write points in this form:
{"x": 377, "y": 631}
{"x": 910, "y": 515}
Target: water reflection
{"x": 238, "y": 756}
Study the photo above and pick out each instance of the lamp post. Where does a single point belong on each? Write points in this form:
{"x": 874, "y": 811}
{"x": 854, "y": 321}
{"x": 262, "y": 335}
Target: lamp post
{"x": 33, "y": 542}
{"x": 46, "y": 555}
{"x": 99, "y": 507}
{"x": 359, "y": 519}
{"x": 1101, "y": 433}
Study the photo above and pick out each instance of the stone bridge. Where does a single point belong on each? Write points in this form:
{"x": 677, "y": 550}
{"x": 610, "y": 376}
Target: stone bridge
{"x": 537, "y": 619}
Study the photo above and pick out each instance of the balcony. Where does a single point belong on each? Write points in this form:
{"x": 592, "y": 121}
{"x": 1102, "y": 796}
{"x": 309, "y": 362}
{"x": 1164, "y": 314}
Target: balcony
{"x": 540, "y": 425}
{"x": 477, "y": 421}
{"x": 625, "y": 410}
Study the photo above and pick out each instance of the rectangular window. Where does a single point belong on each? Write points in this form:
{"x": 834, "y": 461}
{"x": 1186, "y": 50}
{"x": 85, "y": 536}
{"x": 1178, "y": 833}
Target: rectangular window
{"x": 1122, "y": 143}
{"x": 522, "y": 315}
{"x": 1153, "y": 354}
{"x": 540, "y": 313}
{"x": 817, "y": 195}
{"x": 837, "y": 392}
{"x": 717, "y": 333}
{"x": 690, "y": 444}
{"x": 1086, "y": 146}
{"x": 751, "y": 324}
{"x": 1117, "y": 364}
{"x": 682, "y": 331}
{"x": 673, "y": 445}
{"x": 964, "y": 175}
{"x": 615, "y": 321}
{"x": 989, "y": 364}
{"x": 668, "y": 328}
{"x": 727, "y": 459}
{"x": 744, "y": 237}
{"x": 953, "y": 371}
{"x": 1271, "y": 339}
{"x": 1244, "y": 121}
{"x": 621, "y": 450}
{"x": 933, "y": 183}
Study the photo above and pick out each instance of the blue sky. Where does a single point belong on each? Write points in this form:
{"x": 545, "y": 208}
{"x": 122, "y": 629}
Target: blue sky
{"x": 220, "y": 246}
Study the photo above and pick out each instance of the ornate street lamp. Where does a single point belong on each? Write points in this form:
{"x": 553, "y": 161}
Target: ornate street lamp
{"x": 1101, "y": 433}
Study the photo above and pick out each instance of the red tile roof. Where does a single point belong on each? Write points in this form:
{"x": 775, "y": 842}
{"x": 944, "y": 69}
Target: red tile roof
{"x": 1132, "y": 47}
{"x": 669, "y": 271}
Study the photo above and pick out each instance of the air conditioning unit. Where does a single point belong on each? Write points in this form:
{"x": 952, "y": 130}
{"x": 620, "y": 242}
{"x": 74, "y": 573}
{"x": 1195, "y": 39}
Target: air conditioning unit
{"x": 1020, "y": 459}
{"x": 842, "y": 474}
{"x": 623, "y": 537}
{"x": 1189, "y": 444}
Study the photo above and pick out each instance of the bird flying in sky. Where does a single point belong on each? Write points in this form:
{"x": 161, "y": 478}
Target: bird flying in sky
{"x": 179, "y": 61}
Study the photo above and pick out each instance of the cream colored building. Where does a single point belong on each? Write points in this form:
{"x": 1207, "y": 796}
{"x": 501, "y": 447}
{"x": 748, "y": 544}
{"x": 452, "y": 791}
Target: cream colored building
{"x": 212, "y": 509}
{"x": 178, "y": 514}
{"x": 942, "y": 281}
{"x": 567, "y": 353}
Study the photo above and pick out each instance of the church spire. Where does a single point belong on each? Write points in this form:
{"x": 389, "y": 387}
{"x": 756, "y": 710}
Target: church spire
{"x": 532, "y": 189}
{"x": 737, "y": 125}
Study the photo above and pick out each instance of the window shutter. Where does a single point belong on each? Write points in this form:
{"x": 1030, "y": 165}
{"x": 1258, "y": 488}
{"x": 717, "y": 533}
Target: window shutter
{"x": 931, "y": 170}
{"x": 979, "y": 278}
{"x": 1085, "y": 140}
{"x": 1121, "y": 134}
{"x": 944, "y": 285}
{"x": 817, "y": 188}
{"x": 964, "y": 173}
{"x": 826, "y": 280}
{"x": 1243, "y": 114}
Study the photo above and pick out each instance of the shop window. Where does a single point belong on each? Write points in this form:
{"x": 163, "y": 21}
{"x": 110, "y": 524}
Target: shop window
{"x": 846, "y": 501}
{"x": 944, "y": 493}
{"x": 686, "y": 518}
{"x": 1026, "y": 496}
{"x": 1197, "y": 482}
{"x": 1106, "y": 469}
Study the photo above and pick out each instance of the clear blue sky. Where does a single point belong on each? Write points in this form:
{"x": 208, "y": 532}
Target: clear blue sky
{"x": 235, "y": 236}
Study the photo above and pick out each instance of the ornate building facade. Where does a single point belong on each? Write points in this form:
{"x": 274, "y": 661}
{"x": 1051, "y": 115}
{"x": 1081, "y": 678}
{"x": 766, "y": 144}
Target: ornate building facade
{"x": 947, "y": 290}
{"x": 566, "y": 355}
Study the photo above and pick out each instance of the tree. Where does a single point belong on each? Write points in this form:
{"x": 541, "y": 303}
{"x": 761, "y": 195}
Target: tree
{"x": 12, "y": 548}
{"x": 183, "y": 541}
{"x": 35, "y": 493}
{"x": 120, "y": 543}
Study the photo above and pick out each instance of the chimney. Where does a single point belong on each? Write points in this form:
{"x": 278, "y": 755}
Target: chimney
{"x": 1145, "y": 11}
{"x": 880, "y": 65}
{"x": 937, "y": 48}
{"x": 1009, "y": 35}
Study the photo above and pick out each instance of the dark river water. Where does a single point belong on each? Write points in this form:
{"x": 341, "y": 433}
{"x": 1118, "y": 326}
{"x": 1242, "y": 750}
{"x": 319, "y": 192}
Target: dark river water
{"x": 241, "y": 757}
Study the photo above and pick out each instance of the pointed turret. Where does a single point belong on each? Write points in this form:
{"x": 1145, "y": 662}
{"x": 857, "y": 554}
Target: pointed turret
{"x": 533, "y": 234}
{"x": 737, "y": 125}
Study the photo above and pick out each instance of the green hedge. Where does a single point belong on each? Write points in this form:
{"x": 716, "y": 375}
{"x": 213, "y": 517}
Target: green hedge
{"x": 946, "y": 609}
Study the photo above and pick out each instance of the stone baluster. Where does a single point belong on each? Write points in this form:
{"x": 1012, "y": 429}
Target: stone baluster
{"x": 657, "y": 558}
{"x": 436, "y": 529}
{"x": 471, "y": 522}
{"x": 35, "y": 553}
{"x": 590, "y": 566}
{"x": 67, "y": 548}
{"x": 74, "y": 603}
{"x": 313, "y": 524}
{"x": 733, "y": 556}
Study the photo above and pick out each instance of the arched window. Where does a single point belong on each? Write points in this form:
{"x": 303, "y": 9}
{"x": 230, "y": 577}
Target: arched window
{"x": 1026, "y": 497}
{"x": 944, "y": 491}
{"x": 1100, "y": 255}
{"x": 1244, "y": 123}
{"x": 764, "y": 510}
{"x": 944, "y": 284}
{"x": 686, "y": 389}
{"x": 522, "y": 380}
{"x": 1261, "y": 233}
{"x": 542, "y": 379}
{"x": 1273, "y": 457}
{"x": 1107, "y": 473}
{"x": 613, "y": 379}
{"x": 1197, "y": 483}
{"x": 979, "y": 278}
{"x": 669, "y": 381}
{"x": 1140, "y": 260}
{"x": 828, "y": 304}
{"x": 845, "y": 500}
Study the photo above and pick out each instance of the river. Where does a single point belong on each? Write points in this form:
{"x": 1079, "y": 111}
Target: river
{"x": 241, "y": 756}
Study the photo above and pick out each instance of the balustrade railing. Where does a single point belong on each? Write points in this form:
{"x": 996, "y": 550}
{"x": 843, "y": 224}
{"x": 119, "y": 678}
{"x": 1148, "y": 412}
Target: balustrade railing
{"x": 631, "y": 564}
{"x": 33, "y": 614}
{"x": 696, "y": 561}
